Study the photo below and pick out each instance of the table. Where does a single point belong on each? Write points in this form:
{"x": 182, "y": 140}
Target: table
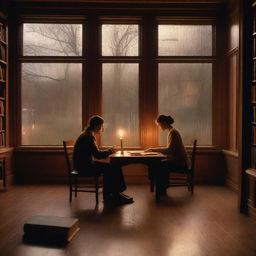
{"x": 140, "y": 157}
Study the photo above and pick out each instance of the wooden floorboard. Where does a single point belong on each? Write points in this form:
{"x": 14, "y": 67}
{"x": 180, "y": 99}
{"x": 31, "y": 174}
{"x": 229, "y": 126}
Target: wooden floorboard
{"x": 205, "y": 224}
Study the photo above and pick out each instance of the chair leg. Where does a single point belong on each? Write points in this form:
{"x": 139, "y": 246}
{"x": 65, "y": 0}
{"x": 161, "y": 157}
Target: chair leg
{"x": 97, "y": 189}
{"x": 157, "y": 193}
{"x": 75, "y": 187}
{"x": 152, "y": 186}
{"x": 192, "y": 187}
{"x": 189, "y": 183}
{"x": 70, "y": 189}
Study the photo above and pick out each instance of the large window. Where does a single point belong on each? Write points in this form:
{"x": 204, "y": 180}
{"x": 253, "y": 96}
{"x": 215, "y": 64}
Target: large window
{"x": 185, "y": 80}
{"x": 128, "y": 71}
{"x": 120, "y": 83}
{"x": 51, "y": 102}
{"x": 51, "y": 93}
{"x": 120, "y": 103}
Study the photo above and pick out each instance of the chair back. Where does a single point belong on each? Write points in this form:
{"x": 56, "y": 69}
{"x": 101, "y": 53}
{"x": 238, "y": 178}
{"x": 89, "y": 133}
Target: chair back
{"x": 193, "y": 156}
{"x": 68, "y": 149}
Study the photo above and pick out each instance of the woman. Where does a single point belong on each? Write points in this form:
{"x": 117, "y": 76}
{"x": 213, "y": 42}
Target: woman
{"x": 177, "y": 157}
{"x": 86, "y": 150}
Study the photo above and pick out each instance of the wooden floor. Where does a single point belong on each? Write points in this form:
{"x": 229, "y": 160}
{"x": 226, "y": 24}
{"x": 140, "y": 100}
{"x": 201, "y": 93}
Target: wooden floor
{"x": 206, "y": 224}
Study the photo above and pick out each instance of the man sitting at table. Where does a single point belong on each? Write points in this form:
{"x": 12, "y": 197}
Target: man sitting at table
{"x": 86, "y": 149}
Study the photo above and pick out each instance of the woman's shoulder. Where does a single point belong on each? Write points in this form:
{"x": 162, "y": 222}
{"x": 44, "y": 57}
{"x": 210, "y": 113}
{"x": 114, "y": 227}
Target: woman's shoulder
{"x": 174, "y": 133}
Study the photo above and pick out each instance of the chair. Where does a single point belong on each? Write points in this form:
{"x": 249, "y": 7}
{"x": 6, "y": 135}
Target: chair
{"x": 185, "y": 176}
{"x": 74, "y": 176}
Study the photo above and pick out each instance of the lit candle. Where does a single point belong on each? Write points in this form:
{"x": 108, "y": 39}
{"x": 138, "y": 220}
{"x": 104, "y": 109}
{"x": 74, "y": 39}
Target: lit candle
{"x": 121, "y": 133}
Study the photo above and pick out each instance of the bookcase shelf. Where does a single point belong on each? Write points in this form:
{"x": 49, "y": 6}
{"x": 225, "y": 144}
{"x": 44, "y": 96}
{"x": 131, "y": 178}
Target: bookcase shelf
{"x": 253, "y": 90}
{"x": 3, "y": 79}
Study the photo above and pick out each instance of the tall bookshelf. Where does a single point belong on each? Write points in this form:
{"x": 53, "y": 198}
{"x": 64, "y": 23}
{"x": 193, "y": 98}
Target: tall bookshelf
{"x": 253, "y": 92}
{"x": 3, "y": 79}
{"x": 251, "y": 172}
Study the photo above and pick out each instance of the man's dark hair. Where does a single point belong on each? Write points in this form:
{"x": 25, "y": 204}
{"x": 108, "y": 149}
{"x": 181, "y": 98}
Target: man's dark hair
{"x": 95, "y": 121}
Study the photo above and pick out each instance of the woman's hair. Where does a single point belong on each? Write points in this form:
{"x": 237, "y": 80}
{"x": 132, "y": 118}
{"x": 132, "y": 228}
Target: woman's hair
{"x": 165, "y": 119}
{"x": 95, "y": 121}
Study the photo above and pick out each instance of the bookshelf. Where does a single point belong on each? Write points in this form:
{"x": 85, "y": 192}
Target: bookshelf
{"x": 3, "y": 79}
{"x": 251, "y": 172}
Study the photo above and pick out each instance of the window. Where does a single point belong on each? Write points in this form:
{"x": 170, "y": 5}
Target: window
{"x": 52, "y": 39}
{"x": 185, "y": 93}
{"x": 120, "y": 84}
{"x": 185, "y": 40}
{"x": 128, "y": 71}
{"x": 120, "y": 40}
{"x": 51, "y": 102}
{"x": 185, "y": 80}
{"x": 51, "y": 93}
{"x": 120, "y": 103}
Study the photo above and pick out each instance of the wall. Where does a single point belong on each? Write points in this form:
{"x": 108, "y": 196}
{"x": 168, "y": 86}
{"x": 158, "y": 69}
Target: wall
{"x": 44, "y": 166}
{"x": 231, "y": 154}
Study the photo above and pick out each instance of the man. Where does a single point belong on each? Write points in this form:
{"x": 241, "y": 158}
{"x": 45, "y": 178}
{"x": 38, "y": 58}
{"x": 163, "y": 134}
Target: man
{"x": 86, "y": 149}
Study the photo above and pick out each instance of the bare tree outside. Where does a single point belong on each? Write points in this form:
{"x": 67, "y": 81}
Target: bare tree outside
{"x": 51, "y": 92}
{"x": 52, "y": 40}
{"x": 120, "y": 84}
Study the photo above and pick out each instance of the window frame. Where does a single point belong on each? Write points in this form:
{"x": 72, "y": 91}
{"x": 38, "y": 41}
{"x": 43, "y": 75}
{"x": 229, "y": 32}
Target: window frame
{"x": 147, "y": 60}
{"x": 194, "y": 59}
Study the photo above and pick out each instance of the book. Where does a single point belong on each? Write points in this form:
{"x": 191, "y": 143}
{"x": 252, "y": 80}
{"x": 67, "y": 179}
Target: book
{"x": 52, "y": 229}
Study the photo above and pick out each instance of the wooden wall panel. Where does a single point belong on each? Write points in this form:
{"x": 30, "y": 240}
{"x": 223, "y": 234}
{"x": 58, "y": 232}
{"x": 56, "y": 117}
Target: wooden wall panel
{"x": 48, "y": 167}
{"x": 231, "y": 155}
{"x": 232, "y": 167}
{"x": 232, "y": 101}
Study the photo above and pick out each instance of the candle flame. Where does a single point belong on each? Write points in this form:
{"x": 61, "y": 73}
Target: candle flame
{"x": 121, "y": 133}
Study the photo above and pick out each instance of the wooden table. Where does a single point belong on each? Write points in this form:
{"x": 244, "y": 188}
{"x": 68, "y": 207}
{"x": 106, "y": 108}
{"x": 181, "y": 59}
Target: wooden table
{"x": 138, "y": 156}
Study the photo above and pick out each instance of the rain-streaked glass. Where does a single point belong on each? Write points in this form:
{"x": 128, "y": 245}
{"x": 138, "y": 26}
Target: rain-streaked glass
{"x": 52, "y": 39}
{"x": 185, "y": 40}
{"x": 120, "y": 40}
{"x": 120, "y": 103}
{"x": 51, "y": 108}
{"x": 185, "y": 93}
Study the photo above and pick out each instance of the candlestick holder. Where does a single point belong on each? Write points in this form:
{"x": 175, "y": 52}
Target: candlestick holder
{"x": 122, "y": 149}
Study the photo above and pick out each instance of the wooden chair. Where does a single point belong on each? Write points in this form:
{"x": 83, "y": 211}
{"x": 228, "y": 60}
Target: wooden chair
{"x": 74, "y": 176}
{"x": 185, "y": 176}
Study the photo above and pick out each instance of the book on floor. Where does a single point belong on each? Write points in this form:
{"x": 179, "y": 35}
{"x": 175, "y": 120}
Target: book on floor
{"x": 50, "y": 229}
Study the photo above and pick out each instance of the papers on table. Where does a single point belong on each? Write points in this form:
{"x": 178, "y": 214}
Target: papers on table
{"x": 132, "y": 153}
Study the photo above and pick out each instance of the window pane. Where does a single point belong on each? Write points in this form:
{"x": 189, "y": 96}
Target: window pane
{"x": 120, "y": 103}
{"x": 185, "y": 40}
{"x": 51, "y": 102}
{"x": 120, "y": 40}
{"x": 52, "y": 39}
{"x": 185, "y": 92}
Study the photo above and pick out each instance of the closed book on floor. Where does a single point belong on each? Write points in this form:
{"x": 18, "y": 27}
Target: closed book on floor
{"x": 50, "y": 229}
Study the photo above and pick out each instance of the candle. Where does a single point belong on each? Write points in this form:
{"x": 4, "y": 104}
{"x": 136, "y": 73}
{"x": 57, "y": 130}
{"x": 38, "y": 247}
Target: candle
{"x": 121, "y": 133}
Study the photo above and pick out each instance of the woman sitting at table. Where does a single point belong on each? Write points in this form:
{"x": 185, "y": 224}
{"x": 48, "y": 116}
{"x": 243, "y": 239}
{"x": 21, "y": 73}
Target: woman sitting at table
{"x": 86, "y": 150}
{"x": 177, "y": 157}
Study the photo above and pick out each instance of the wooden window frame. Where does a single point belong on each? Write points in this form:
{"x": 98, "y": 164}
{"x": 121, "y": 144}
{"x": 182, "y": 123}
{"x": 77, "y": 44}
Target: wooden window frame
{"x": 147, "y": 59}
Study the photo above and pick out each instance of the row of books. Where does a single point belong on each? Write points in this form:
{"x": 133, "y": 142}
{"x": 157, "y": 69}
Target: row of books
{"x": 2, "y": 124}
{"x": 253, "y": 157}
{"x": 2, "y": 90}
{"x": 2, "y": 32}
{"x": 1, "y": 107}
{"x": 2, "y": 52}
{"x": 254, "y": 114}
{"x": 2, "y": 73}
{"x": 253, "y": 93}
{"x": 254, "y": 135}
{"x": 2, "y": 139}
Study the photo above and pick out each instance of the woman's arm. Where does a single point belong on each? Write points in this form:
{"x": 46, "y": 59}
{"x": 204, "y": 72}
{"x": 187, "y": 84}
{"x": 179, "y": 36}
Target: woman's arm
{"x": 160, "y": 150}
